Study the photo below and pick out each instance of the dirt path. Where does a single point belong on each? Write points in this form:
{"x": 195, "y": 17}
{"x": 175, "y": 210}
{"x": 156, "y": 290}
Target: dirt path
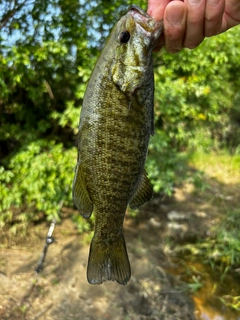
{"x": 61, "y": 291}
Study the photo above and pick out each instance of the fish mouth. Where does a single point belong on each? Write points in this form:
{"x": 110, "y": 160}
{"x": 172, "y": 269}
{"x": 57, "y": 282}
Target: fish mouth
{"x": 151, "y": 26}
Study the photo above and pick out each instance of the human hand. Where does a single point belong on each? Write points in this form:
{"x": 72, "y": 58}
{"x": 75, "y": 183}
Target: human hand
{"x": 188, "y": 22}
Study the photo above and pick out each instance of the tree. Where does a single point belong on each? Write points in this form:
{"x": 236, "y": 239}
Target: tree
{"x": 48, "y": 49}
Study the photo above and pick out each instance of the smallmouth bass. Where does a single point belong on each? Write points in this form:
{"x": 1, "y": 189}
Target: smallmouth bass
{"x": 115, "y": 126}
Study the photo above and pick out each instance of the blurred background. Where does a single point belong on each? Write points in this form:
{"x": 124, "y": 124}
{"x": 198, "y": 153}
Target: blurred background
{"x": 47, "y": 52}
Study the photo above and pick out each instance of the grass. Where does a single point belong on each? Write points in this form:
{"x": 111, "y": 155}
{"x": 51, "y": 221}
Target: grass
{"x": 216, "y": 182}
{"x": 222, "y": 248}
{"x": 205, "y": 201}
{"x": 223, "y": 244}
{"x": 220, "y": 165}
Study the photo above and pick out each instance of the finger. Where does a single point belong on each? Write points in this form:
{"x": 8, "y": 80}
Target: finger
{"x": 195, "y": 23}
{"x": 231, "y": 16}
{"x": 156, "y": 8}
{"x": 213, "y": 17}
{"x": 174, "y": 25}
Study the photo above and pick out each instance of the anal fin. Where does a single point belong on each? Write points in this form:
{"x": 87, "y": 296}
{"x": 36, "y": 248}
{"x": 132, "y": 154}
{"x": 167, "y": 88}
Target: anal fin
{"x": 143, "y": 192}
{"x": 80, "y": 194}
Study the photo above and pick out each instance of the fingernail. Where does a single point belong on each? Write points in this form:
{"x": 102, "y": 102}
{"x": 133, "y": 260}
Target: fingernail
{"x": 194, "y": 2}
{"x": 176, "y": 17}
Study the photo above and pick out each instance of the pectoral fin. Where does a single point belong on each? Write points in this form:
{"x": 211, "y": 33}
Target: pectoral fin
{"x": 143, "y": 192}
{"x": 80, "y": 194}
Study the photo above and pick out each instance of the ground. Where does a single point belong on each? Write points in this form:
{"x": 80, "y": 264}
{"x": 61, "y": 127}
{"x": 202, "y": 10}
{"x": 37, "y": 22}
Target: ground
{"x": 165, "y": 284}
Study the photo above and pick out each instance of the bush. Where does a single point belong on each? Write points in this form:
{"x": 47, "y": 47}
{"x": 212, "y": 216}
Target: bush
{"x": 44, "y": 77}
{"x": 37, "y": 178}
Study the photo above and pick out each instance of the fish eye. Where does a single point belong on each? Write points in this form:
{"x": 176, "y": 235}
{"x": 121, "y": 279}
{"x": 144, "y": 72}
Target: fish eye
{"x": 124, "y": 36}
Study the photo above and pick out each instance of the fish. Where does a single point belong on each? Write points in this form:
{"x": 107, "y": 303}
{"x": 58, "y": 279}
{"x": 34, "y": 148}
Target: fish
{"x": 116, "y": 122}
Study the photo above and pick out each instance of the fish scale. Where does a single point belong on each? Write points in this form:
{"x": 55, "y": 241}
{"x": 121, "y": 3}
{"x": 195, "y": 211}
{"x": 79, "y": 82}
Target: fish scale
{"x": 115, "y": 126}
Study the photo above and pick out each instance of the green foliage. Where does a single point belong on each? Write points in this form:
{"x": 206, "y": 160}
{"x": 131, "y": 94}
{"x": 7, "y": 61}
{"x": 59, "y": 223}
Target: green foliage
{"x": 196, "y": 106}
{"x": 44, "y": 70}
{"x": 163, "y": 162}
{"x": 37, "y": 179}
{"x": 195, "y": 285}
{"x": 83, "y": 224}
{"x": 197, "y": 99}
{"x": 231, "y": 301}
{"x": 225, "y": 244}
{"x": 222, "y": 248}
{"x": 45, "y": 63}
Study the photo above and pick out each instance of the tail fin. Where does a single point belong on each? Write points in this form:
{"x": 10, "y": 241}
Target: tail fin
{"x": 108, "y": 262}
